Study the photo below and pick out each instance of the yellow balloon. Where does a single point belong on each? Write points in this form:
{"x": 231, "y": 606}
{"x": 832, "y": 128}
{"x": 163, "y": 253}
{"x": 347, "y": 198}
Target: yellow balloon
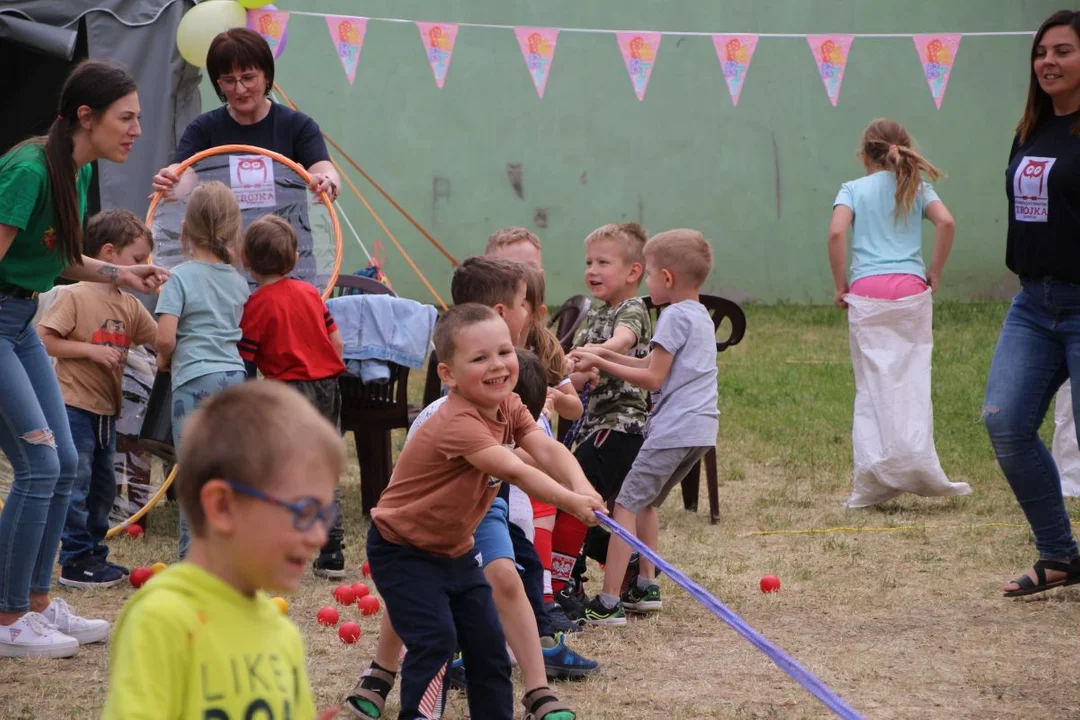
{"x": 202, "y": 23}
{"x": 254, "y": 4}
{"x": 282, "y": 604}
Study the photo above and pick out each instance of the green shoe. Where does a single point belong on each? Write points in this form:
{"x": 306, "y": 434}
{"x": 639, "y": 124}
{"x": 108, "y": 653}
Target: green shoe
{"x": 596, "y": 613}
{"x": 642, "y": 601}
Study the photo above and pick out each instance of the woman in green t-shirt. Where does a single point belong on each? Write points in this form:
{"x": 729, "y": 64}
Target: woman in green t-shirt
{"x": 43, "y": 187}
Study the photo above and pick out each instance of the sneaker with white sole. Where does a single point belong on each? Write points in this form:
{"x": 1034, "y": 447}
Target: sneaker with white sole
{"x": 34, "y": 636}
{"x": 85, "y": 630}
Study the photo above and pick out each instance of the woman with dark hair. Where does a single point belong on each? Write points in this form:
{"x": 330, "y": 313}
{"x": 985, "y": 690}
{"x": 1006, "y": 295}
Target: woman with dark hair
{"x": 1039, "y": 346}
{"x": 241, "y": 67}
{"x": 43, "y": 187}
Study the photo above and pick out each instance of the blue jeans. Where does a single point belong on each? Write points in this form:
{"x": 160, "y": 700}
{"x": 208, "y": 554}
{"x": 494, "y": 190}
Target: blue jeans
{"x": 1039, "y": 348}
{"x": 94, "y": 488}
{"x": 35, "y": 437}
{"x": 186, "y": 400}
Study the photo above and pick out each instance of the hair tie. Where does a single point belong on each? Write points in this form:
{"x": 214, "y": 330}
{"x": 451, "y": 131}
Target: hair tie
{"x": 59, "y": 117}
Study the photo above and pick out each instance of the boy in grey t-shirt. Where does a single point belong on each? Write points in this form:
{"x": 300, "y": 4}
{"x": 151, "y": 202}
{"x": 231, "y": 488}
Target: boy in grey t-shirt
{"x": 680, "y": 371}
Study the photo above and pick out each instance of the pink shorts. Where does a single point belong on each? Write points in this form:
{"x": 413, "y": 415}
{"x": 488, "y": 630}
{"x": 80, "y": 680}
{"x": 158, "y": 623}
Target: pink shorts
{"x": 889, "y": 287}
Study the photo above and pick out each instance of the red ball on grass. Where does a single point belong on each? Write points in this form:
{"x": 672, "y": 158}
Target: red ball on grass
{"x": 344, "y": 595}
{"x": 365, "y": 569}
{"x": 140, "y": 575}
{"x": 349, "y": 632}
{"x": 770, "y": 583}
{"x": 369, "y": 604}
{"x": 134, "y": 531}
{"x": 360, "y": 590}
{"x": 327, "y": 616}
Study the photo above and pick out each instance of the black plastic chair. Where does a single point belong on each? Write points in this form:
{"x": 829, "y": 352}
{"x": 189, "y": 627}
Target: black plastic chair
{"x": 568, "y": 318}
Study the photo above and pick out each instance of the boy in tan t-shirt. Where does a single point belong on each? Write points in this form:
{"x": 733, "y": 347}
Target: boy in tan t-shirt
{"x": 88, "y": 329}
{"x": 420, "y": 544}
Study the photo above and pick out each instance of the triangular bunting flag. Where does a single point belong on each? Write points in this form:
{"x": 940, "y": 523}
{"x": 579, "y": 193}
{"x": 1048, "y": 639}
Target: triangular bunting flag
{"x": 735, "y": 53}
{"x": 937, "y": 54}
{"x": 271, "y": 24}
{"x": 538, "y": 47}
{"x": 347, "y": 34}
{"x": 831, "y": 55}
{"x": 438, "y": 39}
{"x": 639, "y": 53}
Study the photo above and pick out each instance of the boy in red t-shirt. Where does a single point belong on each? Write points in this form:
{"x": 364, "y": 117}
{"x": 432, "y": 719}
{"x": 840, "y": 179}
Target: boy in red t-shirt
{"x": 290, "y": 336}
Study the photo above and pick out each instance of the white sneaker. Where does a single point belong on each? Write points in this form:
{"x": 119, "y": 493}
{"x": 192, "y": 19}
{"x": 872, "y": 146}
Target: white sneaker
{"x": 84, "y": 630}
{"x": 34, "y": 636}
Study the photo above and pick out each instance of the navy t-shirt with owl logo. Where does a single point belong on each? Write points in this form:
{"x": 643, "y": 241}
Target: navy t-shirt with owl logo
{"x": 1043, "y": 186}
{"x": 283, "y": 130}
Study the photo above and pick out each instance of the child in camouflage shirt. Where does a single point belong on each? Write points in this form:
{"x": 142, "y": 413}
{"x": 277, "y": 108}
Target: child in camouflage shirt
{"x": 614, "y": 422}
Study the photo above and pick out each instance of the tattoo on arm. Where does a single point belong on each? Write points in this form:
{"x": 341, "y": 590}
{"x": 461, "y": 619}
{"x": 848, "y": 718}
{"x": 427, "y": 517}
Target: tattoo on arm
{"x": 109, "y": 273}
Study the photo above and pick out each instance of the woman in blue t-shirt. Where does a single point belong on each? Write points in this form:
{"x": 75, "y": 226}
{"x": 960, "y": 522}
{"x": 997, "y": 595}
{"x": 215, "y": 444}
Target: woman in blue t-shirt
{"x": 43, "y": 188}
{"x": 1039, "y": 346}
{"x": 241, "y": 68}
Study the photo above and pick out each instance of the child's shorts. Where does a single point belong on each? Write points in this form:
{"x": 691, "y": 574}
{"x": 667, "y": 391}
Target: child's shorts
{"x": 606, "y": 457}
{"x": 492, "y": 536}
{"x": 654, "y": 473}
{"x": 542, "y": 509}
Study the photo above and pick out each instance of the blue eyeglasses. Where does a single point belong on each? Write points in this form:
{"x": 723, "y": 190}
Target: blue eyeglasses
{"x": 305, "y": 511}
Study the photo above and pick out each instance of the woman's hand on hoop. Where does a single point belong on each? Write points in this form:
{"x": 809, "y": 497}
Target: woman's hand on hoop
{"x": 165, "y": 180}
{"x": 323, "y": 183}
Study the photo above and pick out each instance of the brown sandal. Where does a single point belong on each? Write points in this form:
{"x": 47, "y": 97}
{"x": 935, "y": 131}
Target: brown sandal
{"x": 368, "y": 698}
{"x": 541, "y": 702}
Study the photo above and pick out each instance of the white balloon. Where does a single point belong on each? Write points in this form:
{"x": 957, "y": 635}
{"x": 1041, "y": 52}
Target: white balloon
{"x": 202, "y": 23}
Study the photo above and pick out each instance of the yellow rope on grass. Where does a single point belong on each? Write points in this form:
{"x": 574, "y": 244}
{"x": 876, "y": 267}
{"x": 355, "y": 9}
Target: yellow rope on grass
{"x": 826, "y": 531}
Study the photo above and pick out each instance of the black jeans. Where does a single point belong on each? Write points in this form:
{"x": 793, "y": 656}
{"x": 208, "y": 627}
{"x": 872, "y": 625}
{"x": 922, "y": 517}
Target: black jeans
{"x": 437, "y": 604}
{"x": 325, "y": 395}
{"x": 532, "y": 577}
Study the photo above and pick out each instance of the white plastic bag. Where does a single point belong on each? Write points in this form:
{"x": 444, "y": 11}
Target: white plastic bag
{"x": 893, "y": 434}
{"x": 1065, "y": 449}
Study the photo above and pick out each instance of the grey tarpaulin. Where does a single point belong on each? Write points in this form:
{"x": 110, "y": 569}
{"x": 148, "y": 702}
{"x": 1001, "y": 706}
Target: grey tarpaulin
{"x": 141, "y": 34}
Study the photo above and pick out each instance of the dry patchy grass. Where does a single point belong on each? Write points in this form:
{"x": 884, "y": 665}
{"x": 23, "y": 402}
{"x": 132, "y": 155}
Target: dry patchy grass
{"x": 902, "y": 623}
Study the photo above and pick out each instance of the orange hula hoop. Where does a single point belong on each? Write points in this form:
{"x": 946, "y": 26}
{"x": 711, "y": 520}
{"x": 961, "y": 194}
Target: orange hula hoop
{"x": 277, "y": 157}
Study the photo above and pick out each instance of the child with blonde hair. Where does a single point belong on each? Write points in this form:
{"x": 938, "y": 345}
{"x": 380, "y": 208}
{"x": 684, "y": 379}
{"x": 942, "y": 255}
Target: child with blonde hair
{"x": 199, "y": 309}
{"x": 889, "y": 308}
{"x": 680, "y": 370}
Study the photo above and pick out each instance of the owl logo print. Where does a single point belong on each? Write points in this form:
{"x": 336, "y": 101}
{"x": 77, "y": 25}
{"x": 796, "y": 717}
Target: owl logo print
{"x": 1031, "y": 201}
{"x": 252, "y": 180}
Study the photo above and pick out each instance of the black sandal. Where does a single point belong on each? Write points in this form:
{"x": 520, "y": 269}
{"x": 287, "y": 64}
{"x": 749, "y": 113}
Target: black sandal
{"x": 541, "y": 703}
{"x": 1029, "y": 587}
{"x": 369, "y": 696}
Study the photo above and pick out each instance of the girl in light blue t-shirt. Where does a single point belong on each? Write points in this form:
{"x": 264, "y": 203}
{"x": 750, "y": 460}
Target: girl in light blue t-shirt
{"x": 199, "y": 308}
{"x": 886, "y": 208}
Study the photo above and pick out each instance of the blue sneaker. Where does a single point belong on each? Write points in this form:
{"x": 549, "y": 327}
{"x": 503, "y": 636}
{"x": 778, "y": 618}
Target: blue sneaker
{"x": 562, "y": 663}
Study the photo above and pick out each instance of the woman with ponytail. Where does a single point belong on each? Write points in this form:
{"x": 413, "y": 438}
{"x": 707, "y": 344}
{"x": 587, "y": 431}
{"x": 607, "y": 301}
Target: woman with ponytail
{"x": 890, "y": 312}
{"x": 43, "y": 188}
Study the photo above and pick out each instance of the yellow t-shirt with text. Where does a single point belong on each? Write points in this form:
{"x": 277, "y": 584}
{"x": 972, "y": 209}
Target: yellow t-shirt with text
{"x": 188, "y": 645}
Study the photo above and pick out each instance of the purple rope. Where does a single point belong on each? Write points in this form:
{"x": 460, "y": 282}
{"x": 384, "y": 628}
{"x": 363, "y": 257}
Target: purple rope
{"x": 786, "y": 663}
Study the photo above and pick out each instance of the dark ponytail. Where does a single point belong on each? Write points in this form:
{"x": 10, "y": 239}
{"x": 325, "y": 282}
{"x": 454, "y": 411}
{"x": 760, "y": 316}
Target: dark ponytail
{"x": 96, "y": 85}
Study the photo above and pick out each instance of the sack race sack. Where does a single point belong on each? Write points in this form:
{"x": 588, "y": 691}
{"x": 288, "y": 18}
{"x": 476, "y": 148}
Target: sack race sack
{"x": 893, "y": 434}
{"x": 1065, "y": 449}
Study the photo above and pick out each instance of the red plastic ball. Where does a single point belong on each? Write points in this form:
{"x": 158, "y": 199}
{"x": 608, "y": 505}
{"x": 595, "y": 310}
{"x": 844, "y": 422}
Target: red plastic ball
{"x": 360, "y": 590}
{"x": 134, "y": 531}
{"x": 349, "y": 632}
{"x": 344, "y": 595}
{"x": 369, "y": 604}
{"x": 770, "y": 583}
{"x": 365, "y": 569}
{"x": 140, "y": 575}
{"x": 327, "y": 616}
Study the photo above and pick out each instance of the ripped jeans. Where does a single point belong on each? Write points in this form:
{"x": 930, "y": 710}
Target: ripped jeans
{"x": 35, "y": 437}
{"x": 1039, "y": 348}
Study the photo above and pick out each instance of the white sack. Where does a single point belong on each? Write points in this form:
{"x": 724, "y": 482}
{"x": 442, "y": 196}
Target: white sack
{"x": 893, "y": 434}
{"x": 1065, "y": 449}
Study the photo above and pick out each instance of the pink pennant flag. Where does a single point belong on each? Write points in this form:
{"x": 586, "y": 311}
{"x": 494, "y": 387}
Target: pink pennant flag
{"x": 735, "y": 53}
{"x": 831, "y": 56}
{"x": 639, "y": 53}
{"x": 937, "y": 54}
{"x": 347, "y": 34}
{"x": 438, "y": 39}
{"x": 271, "y": 24}
{"x": 538, "y": 47}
